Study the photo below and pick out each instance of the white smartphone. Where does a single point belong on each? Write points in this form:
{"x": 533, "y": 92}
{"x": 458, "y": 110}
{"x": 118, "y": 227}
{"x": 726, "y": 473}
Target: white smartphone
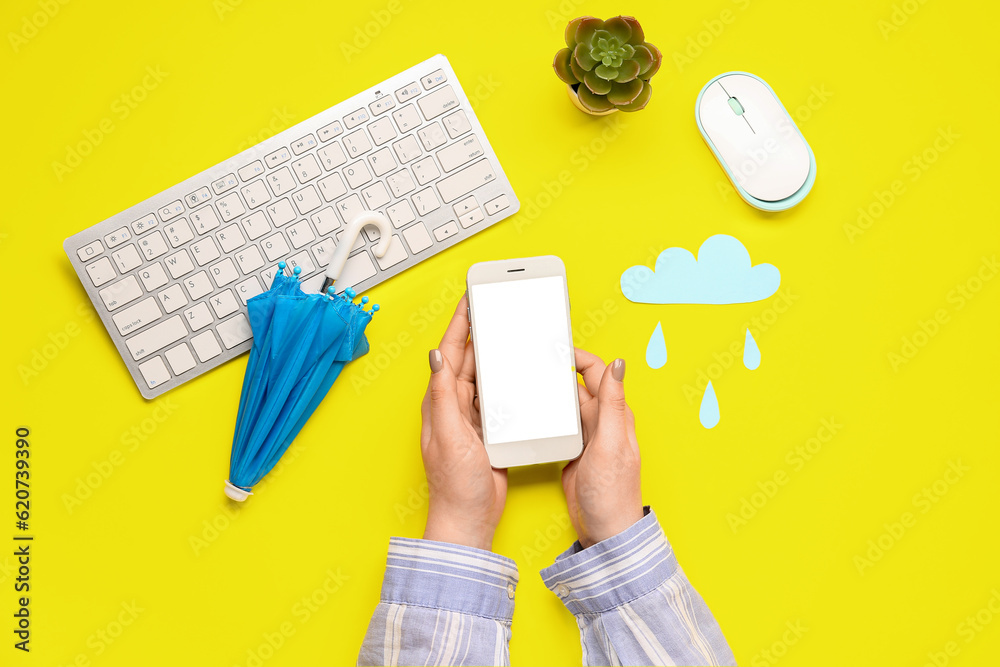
{"x": 525, "y": 366}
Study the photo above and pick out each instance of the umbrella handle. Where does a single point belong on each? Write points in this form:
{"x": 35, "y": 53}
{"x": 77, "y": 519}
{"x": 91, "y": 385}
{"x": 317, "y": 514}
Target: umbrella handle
{"x": 350, "y": 235}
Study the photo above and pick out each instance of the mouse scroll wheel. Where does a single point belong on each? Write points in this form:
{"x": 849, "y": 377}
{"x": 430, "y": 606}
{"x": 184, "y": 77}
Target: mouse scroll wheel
{"x": 736, "y": 106}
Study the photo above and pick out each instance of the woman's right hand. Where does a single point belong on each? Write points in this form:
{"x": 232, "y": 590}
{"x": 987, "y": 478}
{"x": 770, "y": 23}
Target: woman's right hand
{"x": 603, "y": 486}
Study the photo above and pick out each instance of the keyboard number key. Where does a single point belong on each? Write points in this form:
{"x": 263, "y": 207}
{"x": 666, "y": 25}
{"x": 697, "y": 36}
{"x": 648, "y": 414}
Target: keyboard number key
{"x": 281, "y": 182}
{"x": 179, "y": 233}
{"x": 205, "y": 219}
{"x": 306, "y": 169}
{"x": 126, "y": 259}
{"x": 256, "y": 194}
{"x": 230, "y": 207}
{"x": 153, "y": 246}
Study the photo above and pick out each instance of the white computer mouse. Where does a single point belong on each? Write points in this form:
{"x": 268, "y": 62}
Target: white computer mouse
{"x": 755, "y": 140}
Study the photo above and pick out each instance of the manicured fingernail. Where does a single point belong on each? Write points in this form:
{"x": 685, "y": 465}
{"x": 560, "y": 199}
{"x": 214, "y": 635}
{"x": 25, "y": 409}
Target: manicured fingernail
{"x": 618, "y": 369}
{"x": 434, "y": 357}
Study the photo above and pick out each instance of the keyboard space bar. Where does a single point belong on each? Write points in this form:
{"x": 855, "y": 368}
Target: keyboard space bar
{"x": 465, "y": 181}
{"x": 163, "y": 334}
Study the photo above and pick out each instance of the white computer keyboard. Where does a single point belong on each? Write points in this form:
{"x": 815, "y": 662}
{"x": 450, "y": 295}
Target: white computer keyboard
{"x": 170, "y": 277}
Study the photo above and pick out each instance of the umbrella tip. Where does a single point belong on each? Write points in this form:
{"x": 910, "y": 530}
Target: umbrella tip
{"x": 236, "y": 493}
{"x": 375, "y": 308}
{"x": 297, "y": 270}
{"x": 350, "y": 293}
{"x": 364, "y": 300}
{"x": 282, "y": 265}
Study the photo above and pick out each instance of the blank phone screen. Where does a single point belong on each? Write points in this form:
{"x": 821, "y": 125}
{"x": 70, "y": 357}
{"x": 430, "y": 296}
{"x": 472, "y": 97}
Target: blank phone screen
{"x": 527, "y": 382}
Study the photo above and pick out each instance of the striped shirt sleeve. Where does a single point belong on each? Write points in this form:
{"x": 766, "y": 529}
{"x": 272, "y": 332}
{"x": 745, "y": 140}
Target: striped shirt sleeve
{"x": 441, "y": 604}
{"x": 633, "y": 604}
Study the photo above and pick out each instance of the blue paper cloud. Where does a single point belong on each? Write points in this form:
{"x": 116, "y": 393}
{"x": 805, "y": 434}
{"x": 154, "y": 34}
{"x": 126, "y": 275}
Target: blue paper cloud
{"x": 721, "y": 274}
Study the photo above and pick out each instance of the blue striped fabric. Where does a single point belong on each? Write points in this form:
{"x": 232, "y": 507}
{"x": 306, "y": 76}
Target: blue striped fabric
{"x": 444, "y": 604}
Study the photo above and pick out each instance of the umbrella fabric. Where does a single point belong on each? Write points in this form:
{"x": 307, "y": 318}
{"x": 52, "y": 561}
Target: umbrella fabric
{"x": 301, "y": 342}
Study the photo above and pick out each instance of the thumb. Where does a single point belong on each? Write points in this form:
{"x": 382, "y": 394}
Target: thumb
{"x": 611, "y": 406}
{"x": 443, "y": 391}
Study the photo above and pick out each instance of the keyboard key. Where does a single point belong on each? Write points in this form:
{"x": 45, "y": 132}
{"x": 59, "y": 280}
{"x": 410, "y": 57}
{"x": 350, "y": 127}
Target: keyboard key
{"x": 92, "y": 249}
{"x": 172, "y": 298}
{"x": 205, "y": 220}
{"x": 204, "y": 251}
{"x": 280, "y": 212}
{"x": 446, "y": 231}
{"x": 118, "y": 294}
{"x": 224, "y": 272}
{"x": 425, "y": 201}
{"x": 145, "y": 224}
{"x": 304, "y": 260}
{"x": 471, "y": 218}
{"x": 306, "y": 169}
{"x": 417, "y": 237}
{"x": 400, "y": 213}
{"x": 275, "y": 247}
{"x": 198, "y": 316}
{"x": 248, "y": 289}
{"x": 135, "y": 317}
{"x": 198, "y": 285}
{"x": 230, "y": 207}
{"x": 457, "y": 123}
{"x": 436, "y": 103}
{"x": 156, "y": 338}
{"x": 198, "y": 197}
{"x": 252, "y": 170}
{"x": 126, "y": 259}
{"x": 357, "y": 143}
{"x": 224, "y": 303}
{"x": 280, "y": 156}
{"x": 332, "y": 156}
{"x": 256, "y": 225}
{"x": 269, "y": 273}
{"x": 357, "y": 174}
{"x": 300, "y": 146}
{"x": 250, "y": 259}
{"x": 394, "y": 255}
{"x": 179, "y": 232}
{"x": 306, "y": 200}
{"x": 235, "y": 331}
{"x": 154, "y": 372}
{"x": 466, "y": 205}
{"x": 256, "y": 194}
{"x": 425, "y": 170}
{"x": 406, "y": 118}
{"x": 325, "y": 221}
{"x": 408, "y": 92}
{"x": 227, "y": 182}
{"x": 349, "y": 208}
{"x": 465, "y": 181}
{"x": 496, "y": 204}
{"x": 432, "y": 136}
{"x": 323, "y": 251}
{"x": 375, "y": 195}
{"x": 153, "y": 246}
{"x": 382, "y": 162}
{"x": 328, "y": 132}
{"x": 281, "y": 182}
{"x": 206, "y": 346}
{"x": 171, "y": 210}
{"x": 435, "y": 78}
{"x": 400, "y": 183}
{"x": 382, "y": 131}
{"x": 381, "y": 105}
{"x": 230, "y": 238}
{"x": 407, "y": 149}
{"x": 178, "y": 264}
{"x": 101, "y": 271}
{"x": 356, "y": 118}
{"x": 460, "y": 152}
{"x": 358, "y": 269}
{"x": 153, "y": 276}
{"x": 300, "y": 234}
{"x": 179, "y": 358}
{"x": 117, "y": 237}
{"x": 332, "y": 187}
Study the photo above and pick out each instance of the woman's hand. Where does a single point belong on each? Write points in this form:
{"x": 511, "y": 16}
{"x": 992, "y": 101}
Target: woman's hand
{"x": 466, "y": 494}
{"x": 602, "y": 487}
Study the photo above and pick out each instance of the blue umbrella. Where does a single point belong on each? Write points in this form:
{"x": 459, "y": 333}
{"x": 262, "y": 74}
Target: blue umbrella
{"x": 301, "y": 342}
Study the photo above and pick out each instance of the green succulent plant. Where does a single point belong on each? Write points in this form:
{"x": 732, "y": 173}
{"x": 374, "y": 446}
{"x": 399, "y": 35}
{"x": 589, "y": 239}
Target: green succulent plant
{"x": 609, "y": 63}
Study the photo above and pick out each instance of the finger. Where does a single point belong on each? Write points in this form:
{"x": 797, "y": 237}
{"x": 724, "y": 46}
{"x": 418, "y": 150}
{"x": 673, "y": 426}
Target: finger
{"x": 612, "y": 410}
{"x": 453, "y": 342}
{"x": 468, "y": 367}
{"x": 443, "y": 393}
{"x": 591, "y": 367}
{"x": 583, "y": 394}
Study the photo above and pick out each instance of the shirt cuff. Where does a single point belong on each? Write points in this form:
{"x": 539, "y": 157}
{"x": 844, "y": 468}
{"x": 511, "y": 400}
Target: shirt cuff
{"x": 441, "y": 575}
{"x": 617, "y": 570}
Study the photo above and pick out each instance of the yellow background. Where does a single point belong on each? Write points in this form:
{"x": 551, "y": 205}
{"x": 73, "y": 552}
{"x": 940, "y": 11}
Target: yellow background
{"x": 212, "y": 580}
